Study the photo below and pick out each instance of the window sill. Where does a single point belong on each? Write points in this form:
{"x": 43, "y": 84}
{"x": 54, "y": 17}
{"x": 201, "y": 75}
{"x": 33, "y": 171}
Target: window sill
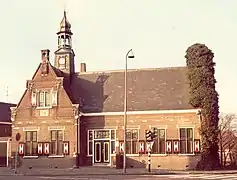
{"x": 30, "y": 157}
{"x": 154, "y": 155}
{"x": 89, "y": 155}
{"x": 132, "y": 155}
{"x": 49, "y": 107}
{"x": 186, "y": 154}
{"x": 56, "y": 156}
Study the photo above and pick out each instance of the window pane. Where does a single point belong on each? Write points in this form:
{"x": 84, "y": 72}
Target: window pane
{"x": 28, "y": 149}
{"x": 129, "y": 135}
{"x": 53, "y": 147}
{"x": 134, "y": 147}
{"x": 90, "y": 148}
{"x": 60, "y": 135}
{"x": 59, "y": 148}
{"x": 28, "y": 136}
{"x": 190, "y": 147}
{"x": 129, "y": 147}
{"x": 34, "y": 148}
{"x": 41, "y": 99}
{"x": 47, "y": 99}
{"x": 134, "y": 134}
{"x": 34, "y": 136}
{"x": 112, "y": 134}
{"x": 183, "y": 146}
{"x": 155, "y": 147}
{"x": 183, "y": 133}
{"x": 162, "y": 146}
{"x": 113, "y": 150}
{"x": 90, "y": 135}
{"x": 190, "y": 133}
{"x": 53, "y": 136}
{"x": 161, "y": 133}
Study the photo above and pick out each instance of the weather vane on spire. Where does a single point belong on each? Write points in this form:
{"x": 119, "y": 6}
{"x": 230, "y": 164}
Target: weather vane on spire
{"x": 64, "y": 5}
{"x": 6, "y": 93}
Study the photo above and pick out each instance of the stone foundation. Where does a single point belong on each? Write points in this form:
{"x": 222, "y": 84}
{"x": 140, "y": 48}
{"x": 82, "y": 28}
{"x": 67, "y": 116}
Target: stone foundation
{"x": 45, "y": 162}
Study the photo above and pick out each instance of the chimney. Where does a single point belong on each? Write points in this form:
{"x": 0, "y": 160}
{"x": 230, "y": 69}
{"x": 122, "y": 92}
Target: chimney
{"x": 45, "y": 55}
{"x": 83, "y": 67}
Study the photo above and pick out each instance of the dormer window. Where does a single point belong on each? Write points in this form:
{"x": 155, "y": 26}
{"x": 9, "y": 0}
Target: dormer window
{"x": 44, "y": 99}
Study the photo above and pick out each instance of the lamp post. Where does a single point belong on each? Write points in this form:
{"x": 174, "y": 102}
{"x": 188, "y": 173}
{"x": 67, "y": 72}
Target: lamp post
{"x": 128, "y": 55}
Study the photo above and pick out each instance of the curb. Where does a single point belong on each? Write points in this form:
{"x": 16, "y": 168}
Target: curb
{"x": 213, "y": 172}
{"x": 89, "y": 174}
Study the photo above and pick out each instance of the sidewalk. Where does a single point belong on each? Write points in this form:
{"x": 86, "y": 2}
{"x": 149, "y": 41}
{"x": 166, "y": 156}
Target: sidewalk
{"x": 83, "y": 171}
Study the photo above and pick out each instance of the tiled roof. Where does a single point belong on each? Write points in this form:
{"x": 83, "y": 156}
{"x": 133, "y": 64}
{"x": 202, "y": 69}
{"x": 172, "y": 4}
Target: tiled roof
{"x": 148, "y": 89}
{"x": 5, "y": 111}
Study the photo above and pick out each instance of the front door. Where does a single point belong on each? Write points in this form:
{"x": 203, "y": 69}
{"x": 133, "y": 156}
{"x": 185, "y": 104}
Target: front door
{"x": 101, "y": 152}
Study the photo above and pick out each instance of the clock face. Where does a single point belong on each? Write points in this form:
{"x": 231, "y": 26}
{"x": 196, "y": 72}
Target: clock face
{"x": 62, "y": 60}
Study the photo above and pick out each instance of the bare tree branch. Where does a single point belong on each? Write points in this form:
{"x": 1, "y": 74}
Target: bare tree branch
{"x": 227, "y": 138}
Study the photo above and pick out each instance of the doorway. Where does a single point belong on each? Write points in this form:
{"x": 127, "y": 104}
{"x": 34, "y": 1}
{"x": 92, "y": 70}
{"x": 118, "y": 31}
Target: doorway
{"x": 101, "y": 152}
{"x": 3, "y": 154}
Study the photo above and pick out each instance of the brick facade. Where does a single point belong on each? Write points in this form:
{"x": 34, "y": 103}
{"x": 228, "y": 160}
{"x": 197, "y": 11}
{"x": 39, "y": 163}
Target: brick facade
{"x": 64, "y": 112}
{"x": 171, "y": 122}
{"x": 29, "y": 118}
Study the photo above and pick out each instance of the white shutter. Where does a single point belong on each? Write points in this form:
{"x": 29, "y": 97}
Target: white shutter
{"x": 54, "y": 98}
{"x": 46, "y": 148}
{"x": 66, "y": 148}
{"x": 33, "y": 99}
{"x": 21, "y": 148}
{"x": 40, "y": 148}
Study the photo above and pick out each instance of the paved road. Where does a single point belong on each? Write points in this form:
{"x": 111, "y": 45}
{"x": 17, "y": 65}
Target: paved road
{"x": 129, "y": 177}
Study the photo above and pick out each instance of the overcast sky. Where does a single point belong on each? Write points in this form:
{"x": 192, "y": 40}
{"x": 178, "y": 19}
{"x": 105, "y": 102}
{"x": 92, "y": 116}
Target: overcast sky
{"x": 159, "y": 31}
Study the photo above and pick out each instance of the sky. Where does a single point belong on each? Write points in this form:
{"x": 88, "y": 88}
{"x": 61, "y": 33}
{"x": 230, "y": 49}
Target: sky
{"x": 158, "y": 31}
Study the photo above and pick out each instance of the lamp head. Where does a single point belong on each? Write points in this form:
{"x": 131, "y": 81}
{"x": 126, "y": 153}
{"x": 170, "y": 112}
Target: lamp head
{"x": 131, "y": 55}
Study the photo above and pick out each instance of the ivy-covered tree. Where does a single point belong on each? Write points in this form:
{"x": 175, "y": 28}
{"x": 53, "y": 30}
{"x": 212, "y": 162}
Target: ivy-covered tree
{"x": 203, "y": 95}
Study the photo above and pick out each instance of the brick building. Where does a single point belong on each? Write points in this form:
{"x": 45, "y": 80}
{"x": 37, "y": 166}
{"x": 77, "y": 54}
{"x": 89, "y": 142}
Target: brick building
{"x": 5, "y": 132}
{"x": 64, "y": 112}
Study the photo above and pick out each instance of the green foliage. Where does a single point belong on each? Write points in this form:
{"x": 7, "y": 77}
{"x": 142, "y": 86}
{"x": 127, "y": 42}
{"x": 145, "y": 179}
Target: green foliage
{"x": 199, "y": 60}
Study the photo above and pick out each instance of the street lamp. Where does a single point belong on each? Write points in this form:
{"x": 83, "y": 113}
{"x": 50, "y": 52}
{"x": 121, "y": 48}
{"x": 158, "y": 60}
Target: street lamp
{"x": 128, "y": 55}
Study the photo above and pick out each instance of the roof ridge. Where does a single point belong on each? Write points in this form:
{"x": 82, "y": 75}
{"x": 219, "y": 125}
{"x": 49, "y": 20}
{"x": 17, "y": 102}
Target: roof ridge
{"x": 1, "y": 102}
{"x": 129, "y": 70}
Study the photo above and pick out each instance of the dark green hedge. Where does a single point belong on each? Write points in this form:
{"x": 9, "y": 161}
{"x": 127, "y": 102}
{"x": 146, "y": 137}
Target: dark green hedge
{"x": 203, "y": 95}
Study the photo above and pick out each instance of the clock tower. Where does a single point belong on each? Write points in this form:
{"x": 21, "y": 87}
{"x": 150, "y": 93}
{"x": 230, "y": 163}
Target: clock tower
{"x": 64, "y": 55}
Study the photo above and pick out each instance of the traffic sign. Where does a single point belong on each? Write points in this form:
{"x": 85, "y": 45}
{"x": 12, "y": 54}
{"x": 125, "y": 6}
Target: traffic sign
{"x": 18, "y": 137}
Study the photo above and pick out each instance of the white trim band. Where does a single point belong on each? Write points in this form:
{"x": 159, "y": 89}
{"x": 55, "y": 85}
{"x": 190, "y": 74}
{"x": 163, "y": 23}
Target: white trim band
{"x": 5, "y": 123}
{"x": 142, "y": 112}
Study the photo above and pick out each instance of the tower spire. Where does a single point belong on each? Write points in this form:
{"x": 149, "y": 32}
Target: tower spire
{"x": 65, "y": 26}
{"x": 64, "y": 56}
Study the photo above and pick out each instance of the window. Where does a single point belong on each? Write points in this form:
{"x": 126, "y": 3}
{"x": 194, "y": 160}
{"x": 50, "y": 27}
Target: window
{"x": 31, "y": 143}
{"x": 132, "y": 141}
{"x": 56, "y": 142}
{"x": 159, "y": 142}
{"x": 113, "y": 148}
{"x": 186, "y": 140}
{"x": 44, "y": 99}
{"x": 90, "y": 143}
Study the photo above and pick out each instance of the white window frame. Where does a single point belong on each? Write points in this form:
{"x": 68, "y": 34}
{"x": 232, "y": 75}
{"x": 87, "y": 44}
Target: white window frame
{"x": 107, "y": 139}
{"x": 186, "y": 127}
{"x": 138, "y": 138}
{"x": 162, "y": 128}
{"x": 44, "y": 98}
{"x": 113, "y": 140}
{"x": 56, "y": 129}
{"x": 88, "y": 142}
{"x": 27, "y": 129}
